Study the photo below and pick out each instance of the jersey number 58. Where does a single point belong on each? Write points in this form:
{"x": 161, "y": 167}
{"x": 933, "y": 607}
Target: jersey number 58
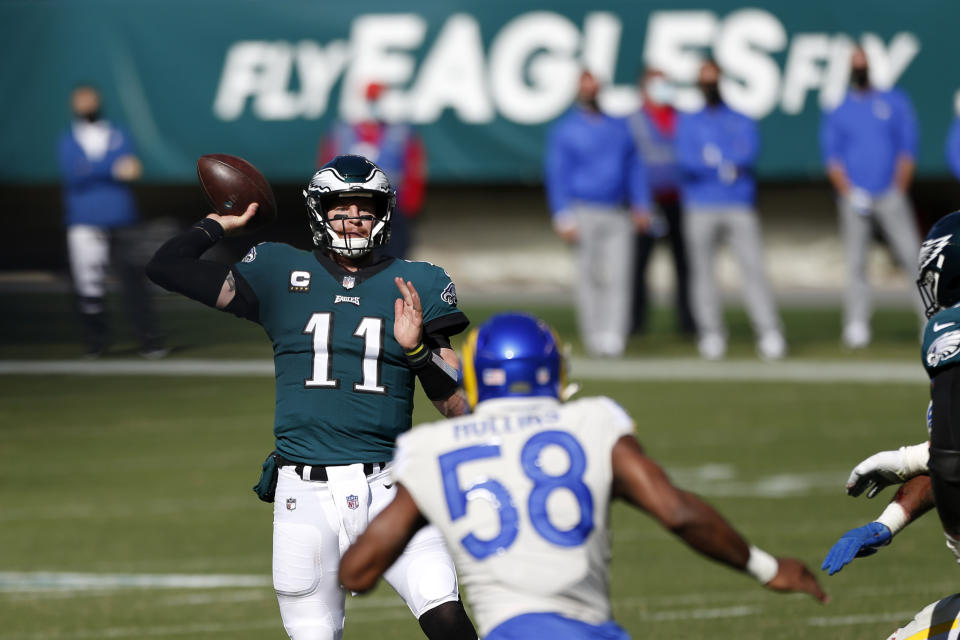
{"x": 543, "y": 485}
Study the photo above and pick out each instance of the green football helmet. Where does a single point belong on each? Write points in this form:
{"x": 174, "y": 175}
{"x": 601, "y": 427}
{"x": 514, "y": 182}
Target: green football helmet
{"x": 939, "y": 280}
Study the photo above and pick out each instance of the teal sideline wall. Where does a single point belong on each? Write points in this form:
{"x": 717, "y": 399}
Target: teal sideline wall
{"x": 265, "y": 78}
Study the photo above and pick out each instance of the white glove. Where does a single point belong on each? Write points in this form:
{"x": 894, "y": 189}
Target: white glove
{"x": 888, "y": 467}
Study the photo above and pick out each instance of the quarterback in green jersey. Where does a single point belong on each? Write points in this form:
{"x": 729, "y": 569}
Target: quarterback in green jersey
{"x": 351, "y": 330}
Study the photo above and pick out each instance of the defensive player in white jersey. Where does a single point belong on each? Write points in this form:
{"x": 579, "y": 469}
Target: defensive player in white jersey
{"x": 521, "y": 491}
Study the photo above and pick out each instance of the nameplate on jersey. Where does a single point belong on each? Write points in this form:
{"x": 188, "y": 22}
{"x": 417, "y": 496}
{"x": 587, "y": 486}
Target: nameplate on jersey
{"x": 300, "y": 281}
{"x": 351, "y": 299}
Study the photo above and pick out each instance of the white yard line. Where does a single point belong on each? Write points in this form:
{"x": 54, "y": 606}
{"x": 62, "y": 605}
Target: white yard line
{"x": 18, "y": 582}
{"x": 899, "y": 617}
{"x": 378, "y": 609}
{"x": 667, "y": 369}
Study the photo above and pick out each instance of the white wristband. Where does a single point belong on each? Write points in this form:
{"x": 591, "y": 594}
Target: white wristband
{"x": 915, "y": 459}
{"x": 894, "y": 517}
{"x": 761, "y": 565}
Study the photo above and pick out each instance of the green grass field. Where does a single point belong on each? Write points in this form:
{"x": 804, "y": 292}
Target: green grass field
{"x": 131, "y": 481}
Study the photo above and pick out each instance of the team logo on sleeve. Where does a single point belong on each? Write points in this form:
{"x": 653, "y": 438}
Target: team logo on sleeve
{"x": 251, "y": 255}
{"x": 300, "y": 281}
{"x": 449, "y": 295}
{"x": 943, "y": 348}
{"x": 353, "y": 502}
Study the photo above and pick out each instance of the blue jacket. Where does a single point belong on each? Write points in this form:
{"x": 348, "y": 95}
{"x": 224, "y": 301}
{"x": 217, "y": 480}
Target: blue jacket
{"x": 716, "y": 150}
{"x": 591, "y": 158}
{"x": 953, "y": 148}
{"x": 91, "y": 195}
{"x": 867, "y": 133}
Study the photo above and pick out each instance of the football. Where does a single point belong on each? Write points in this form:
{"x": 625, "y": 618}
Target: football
{"x": 231, "y": 184}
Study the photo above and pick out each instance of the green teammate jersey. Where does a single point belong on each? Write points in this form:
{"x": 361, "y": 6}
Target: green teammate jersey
{"x": 344, "y": 391}
{"x": 941, "y": 341}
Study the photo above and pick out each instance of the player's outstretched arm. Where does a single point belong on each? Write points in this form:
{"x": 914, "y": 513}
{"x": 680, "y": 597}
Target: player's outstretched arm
{"x": 885, "y": 468}
{"x": 438, "y": 369}
{"x": 913, "y": 500}
{"x": 640, "y": 481}
{"x": 381, "y": 543}
{"x": 176, "y": 266}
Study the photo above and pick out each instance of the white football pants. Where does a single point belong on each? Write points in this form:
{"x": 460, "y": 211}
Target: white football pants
{"x": 310, "y": 533}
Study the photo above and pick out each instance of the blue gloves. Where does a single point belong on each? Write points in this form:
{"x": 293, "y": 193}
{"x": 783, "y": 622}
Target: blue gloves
{"x": 856, "y": 543}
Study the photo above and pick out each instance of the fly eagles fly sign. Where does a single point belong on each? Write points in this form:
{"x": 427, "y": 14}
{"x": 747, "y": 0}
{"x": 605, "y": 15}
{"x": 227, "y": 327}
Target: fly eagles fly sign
{"x": 481, "y": 82}
{"x": 527, "y": 73}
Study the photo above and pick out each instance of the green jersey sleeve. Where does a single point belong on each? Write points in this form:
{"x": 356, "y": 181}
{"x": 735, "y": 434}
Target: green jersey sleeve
{"x": 259, "y": 268}
{"x": 941, "y": 341}
{"x": 440, "y": 312}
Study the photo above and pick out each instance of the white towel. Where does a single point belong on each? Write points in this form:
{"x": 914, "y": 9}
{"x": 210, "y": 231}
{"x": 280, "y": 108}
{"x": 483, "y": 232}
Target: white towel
{"x": 351, "y": 495}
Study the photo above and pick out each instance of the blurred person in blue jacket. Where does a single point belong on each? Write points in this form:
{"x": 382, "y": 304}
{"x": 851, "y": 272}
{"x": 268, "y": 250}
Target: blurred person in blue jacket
{"x": 97, "y": 162}
{"x": 395, "y": 147}
{"x": 869, "y": 146}
{"x": 599, "y": 198}
{"x": 716, "y": 150}
{"x": 654, "y": 128}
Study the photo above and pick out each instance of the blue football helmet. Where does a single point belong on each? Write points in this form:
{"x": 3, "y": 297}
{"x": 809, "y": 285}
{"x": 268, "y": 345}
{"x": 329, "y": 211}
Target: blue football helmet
{"x": 512, "y": 355}
{"x": 939, "y": 280}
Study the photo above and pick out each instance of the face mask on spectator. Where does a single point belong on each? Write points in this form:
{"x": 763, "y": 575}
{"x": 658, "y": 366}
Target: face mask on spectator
{"x": 659, "y": 90}
{"x": 711, "y": 93}
{"x": 860, "y": 77}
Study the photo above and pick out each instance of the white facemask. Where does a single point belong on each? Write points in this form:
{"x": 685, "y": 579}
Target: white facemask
{"x": 660, "y": 90}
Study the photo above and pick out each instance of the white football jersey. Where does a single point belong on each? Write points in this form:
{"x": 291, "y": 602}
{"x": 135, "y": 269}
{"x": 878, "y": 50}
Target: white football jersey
{"x": 520, "y": 490}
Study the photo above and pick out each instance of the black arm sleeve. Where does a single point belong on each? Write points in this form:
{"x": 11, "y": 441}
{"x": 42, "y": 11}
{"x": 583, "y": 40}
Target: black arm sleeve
{"x": 945, "y": 448}
{"x": 176, "y": 266}
{"x": 945, "y": 393}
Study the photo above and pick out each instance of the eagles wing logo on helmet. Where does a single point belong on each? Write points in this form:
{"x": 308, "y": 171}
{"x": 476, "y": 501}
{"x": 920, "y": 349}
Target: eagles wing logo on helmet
{"x": 943, "y": 348}
{"x": 931, "y": 248}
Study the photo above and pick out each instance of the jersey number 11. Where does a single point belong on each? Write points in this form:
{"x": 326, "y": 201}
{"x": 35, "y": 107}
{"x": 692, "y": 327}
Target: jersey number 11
{"x": 369, "y": 329}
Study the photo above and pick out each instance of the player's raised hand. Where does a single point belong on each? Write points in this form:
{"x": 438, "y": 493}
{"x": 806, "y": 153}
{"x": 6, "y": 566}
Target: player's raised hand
{"x": 234, "y": 224}
{"x": 856, "y": 543}
{"x": 793, "y": 576}
{"x": 408, "y": 315}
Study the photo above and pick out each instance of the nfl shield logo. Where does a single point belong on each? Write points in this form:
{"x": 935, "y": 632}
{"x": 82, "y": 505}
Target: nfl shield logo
{"x": 353, "y": 502}
{"x": 348, "y": 282}
{"x": 291, "y": 504}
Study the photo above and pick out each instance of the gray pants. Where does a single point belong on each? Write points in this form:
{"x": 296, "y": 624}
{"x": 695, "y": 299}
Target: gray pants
{"x": 704, "y": 228}
{"x": 604, "y": 254}
{"x": 894, "y": 216}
